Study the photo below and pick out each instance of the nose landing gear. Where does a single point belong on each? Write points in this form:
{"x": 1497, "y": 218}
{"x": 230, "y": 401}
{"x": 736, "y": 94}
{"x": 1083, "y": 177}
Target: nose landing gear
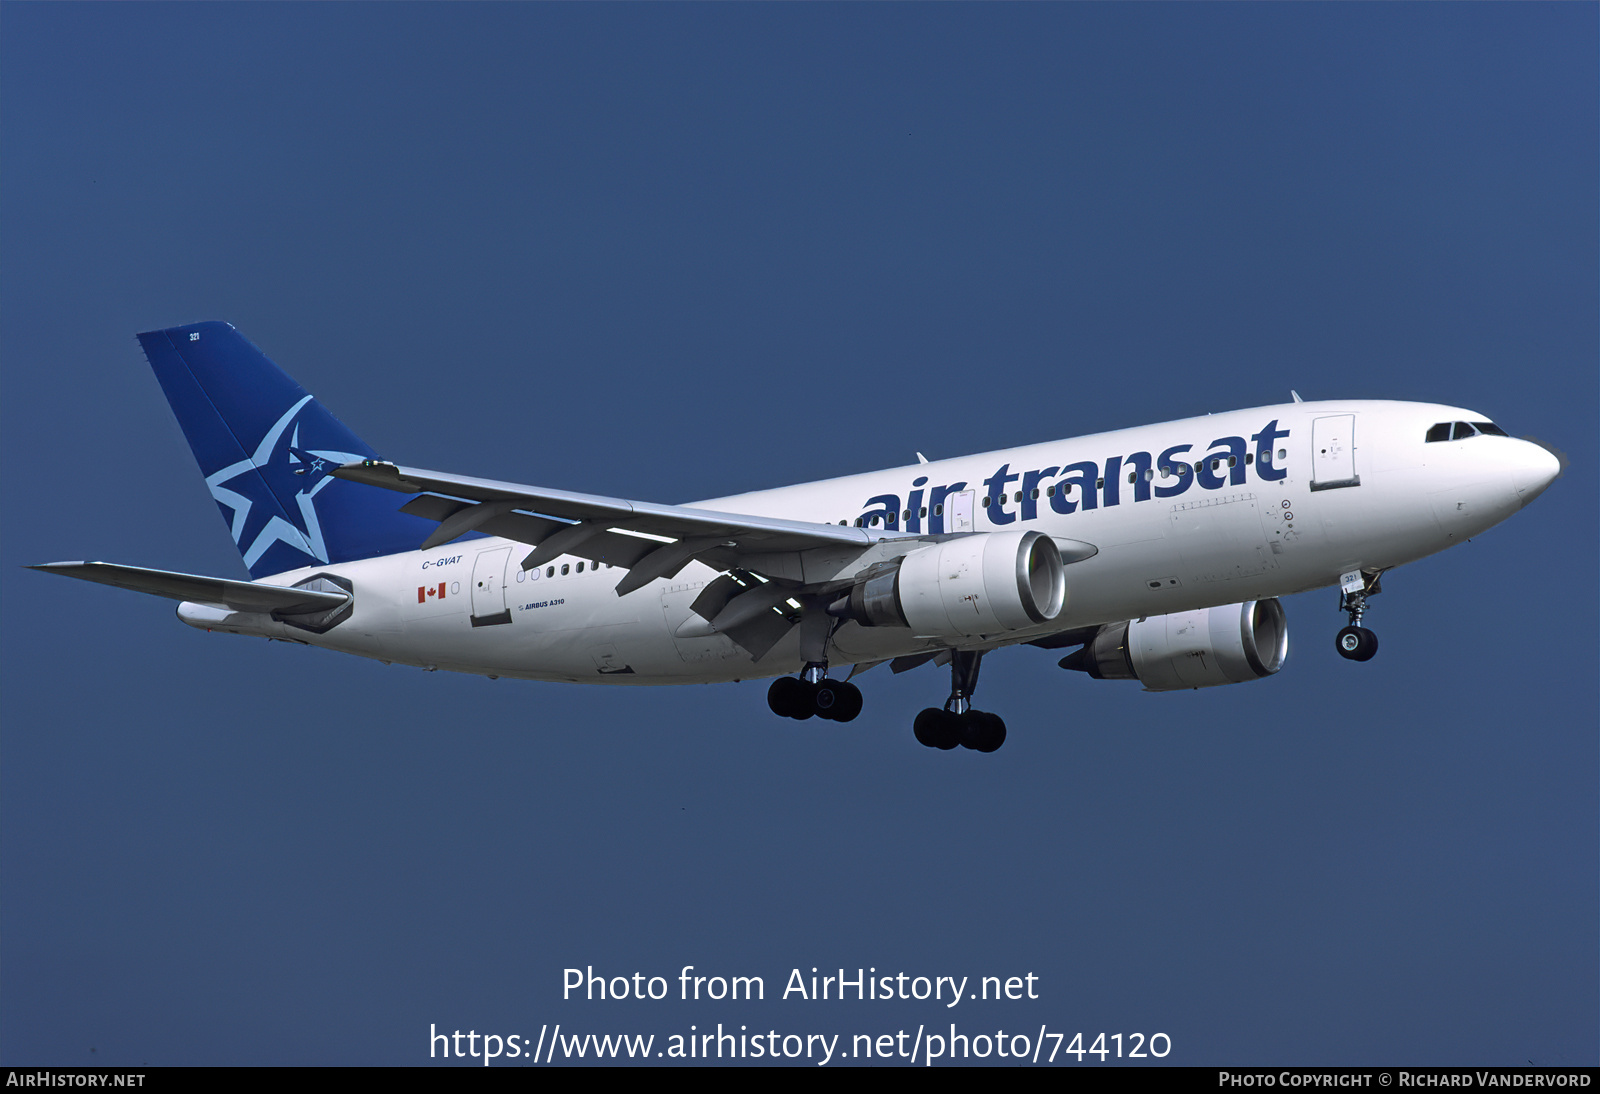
{"x": 958, "y": 723}
{"x": 1355, "y": 642}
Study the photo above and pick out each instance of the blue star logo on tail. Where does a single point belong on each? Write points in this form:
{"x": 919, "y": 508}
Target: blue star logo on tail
{"x": 278, "y": 470}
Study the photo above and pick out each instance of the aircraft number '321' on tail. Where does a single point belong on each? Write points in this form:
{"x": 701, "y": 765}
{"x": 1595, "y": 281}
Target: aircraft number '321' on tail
{"x": 1159, "y": 552}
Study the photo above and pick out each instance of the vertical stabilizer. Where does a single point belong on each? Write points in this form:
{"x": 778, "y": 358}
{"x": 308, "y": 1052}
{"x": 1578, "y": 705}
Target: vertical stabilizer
{"x": 265, "y": 447}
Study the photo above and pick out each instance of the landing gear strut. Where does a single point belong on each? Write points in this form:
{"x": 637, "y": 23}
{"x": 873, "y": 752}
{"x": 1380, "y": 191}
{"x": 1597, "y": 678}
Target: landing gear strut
{"x": 1355, "y": 642}
{"x": 958, "y": 723}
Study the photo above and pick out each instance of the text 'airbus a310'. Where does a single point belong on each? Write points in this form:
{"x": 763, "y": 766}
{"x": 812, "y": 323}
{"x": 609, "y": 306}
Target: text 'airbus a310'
{"x": 1158, "y": 551}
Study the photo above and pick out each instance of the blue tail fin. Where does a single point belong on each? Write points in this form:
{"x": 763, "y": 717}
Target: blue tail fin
{"x": 265, "y": 448}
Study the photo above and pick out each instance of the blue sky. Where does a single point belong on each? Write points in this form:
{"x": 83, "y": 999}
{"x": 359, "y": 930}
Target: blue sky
{"x": 683, "y": 251}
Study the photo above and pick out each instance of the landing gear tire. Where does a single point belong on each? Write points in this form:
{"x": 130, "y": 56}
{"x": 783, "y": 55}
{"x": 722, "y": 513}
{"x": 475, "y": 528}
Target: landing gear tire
{"x": 1356, "y": 644}
{"x": 983, "y": 732}
{"x": 791, "y": 697}
{"x": 837, "y": 700}
{"x": 852, "y": 704}
{"x": 939, "y": 728}
{"x": 958, "y": 723}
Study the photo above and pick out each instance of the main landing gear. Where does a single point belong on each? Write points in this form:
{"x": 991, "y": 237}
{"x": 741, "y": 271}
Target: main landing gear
{"x": 1355, "y": 642}
{"x": 812, "y": 693}
{"x": 958, "y": 723}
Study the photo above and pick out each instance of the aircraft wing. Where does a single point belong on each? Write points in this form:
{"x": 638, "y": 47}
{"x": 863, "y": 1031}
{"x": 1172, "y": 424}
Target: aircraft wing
{"x": 649, "y": 539}
{"x": 238, "y": 596}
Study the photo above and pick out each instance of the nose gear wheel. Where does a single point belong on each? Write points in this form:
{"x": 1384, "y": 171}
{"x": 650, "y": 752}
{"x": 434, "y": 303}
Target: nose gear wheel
{"x": 1355, "y": 642}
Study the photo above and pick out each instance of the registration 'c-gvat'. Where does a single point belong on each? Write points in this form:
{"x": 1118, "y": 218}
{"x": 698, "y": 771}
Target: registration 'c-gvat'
{"x": 1155, "y": 554}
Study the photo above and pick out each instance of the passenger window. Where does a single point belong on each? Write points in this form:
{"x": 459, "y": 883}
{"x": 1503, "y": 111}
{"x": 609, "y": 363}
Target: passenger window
{"x": 551, "y": 572}
{"x": 1283, "y": 453}
{"x": 566, "y": 569}
{"x": 580, "y": 567}
{"x": 924, "y": 510}
{"x": 938, "y": 510}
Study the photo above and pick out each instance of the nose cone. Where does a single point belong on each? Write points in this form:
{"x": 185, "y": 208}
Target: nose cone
{"x": 1533, "y": 470}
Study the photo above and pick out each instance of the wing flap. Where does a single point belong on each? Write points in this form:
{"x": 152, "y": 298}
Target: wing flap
{"x": 660, "y": 539}
{"x": 616, "y": 548}
{"x": 750, "y": 533}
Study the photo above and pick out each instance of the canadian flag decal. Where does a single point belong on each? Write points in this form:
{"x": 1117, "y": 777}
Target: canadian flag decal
{"x": 425, "y": 591}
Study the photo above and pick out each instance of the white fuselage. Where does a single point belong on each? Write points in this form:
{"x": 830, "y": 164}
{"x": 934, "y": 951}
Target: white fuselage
{"x": 1356, "y": 487}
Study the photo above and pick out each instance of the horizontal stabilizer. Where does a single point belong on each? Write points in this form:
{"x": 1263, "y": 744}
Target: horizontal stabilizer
{"x": 239, "y": 596}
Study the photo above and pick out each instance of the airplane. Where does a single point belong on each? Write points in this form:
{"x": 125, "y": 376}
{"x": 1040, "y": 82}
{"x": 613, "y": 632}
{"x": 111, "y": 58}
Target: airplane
{"x": 1159, "y": 552}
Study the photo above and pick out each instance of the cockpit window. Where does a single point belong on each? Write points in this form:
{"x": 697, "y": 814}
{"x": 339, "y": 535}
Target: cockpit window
{"x": 1457, "y": 431}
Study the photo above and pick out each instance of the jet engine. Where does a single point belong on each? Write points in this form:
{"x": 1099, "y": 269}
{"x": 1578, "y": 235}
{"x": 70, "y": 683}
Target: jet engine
{"x": 970, "y": 585}
{"x": 1198, "y": 649}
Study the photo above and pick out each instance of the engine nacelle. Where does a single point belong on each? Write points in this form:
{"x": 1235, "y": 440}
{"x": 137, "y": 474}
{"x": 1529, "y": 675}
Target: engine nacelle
{"x": 971, "y": 585}
{"x": 1198, "y": 649}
